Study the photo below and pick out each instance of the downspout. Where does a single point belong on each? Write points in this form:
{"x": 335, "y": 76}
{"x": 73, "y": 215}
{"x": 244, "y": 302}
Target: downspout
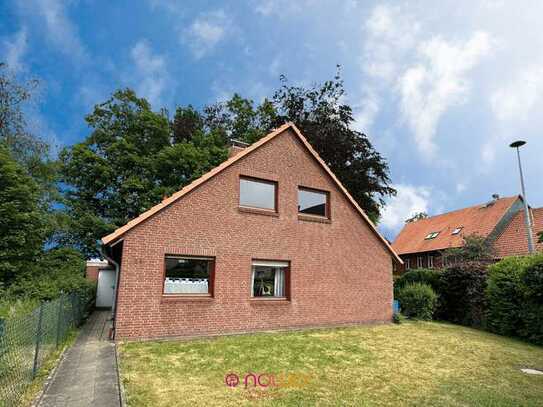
{"x": 103, "y": 251}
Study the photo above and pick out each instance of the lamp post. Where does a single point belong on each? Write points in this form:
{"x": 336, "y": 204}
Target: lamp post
{"x": 527, "y": 220}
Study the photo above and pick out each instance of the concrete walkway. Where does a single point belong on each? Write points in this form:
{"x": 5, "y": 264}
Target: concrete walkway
{"x": 87, "y": 375}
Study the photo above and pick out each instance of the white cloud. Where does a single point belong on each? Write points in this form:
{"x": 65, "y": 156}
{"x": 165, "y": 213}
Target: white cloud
{"x": 408, "y": 201}
{"x": 206, "y": 32}
{"x": 60, "y": 30}
{"x": 390, "y": 33}
{"x": 365, "y": 111}
{"x": 516, "y": 100}
{"x": 150, "y": 77}
{"x": 437, "y": 82}
{"x": 13, "y": 50}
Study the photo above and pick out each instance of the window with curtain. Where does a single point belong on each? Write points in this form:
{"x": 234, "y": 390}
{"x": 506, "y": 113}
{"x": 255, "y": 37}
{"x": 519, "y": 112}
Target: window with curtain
{"x": 269, "y": 278}
{"x": 188, "y": 275}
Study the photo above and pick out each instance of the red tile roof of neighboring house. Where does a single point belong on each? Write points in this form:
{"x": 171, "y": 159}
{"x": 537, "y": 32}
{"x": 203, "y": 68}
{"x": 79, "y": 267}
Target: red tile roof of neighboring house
{"x": 479, "y": 219}
{"x": 512, "y": 241}
{"x": 196, "y": 183}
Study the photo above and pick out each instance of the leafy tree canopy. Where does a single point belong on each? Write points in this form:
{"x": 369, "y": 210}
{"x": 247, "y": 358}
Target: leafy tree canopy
{"x": 475, "y": 249}
{"x": 416, "y": 217}
{"x": 134, "y": 155}
{"x": 23, "y": 227}
{"x": 129, "y": 162}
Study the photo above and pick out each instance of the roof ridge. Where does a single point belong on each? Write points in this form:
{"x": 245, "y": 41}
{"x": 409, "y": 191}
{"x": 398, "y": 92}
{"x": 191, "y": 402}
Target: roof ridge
{"x": 462, "y": 209}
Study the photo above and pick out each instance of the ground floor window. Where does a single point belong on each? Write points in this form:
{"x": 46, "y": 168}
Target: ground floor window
{"x": 189, "y": 275}
{"x": 430, "y": 261}
{"x": 270, "y": 278}
{"x": 420, "y": 262}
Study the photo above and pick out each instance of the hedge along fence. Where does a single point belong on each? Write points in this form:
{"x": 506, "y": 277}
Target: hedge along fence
{"x": 27, "y": 340}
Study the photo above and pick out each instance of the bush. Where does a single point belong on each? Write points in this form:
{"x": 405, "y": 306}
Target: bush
{"x": 505, "y": 296}
{"x": 59, "y": 270}
{"x": 417, "y": 300}
{"x": 462, "y": 298}
{"x": 515, "y": 297}
{"x": 425, "y": 276}
{"x": 532, "y": 311}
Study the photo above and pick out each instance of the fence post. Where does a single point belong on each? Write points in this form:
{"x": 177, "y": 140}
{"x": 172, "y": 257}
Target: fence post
{"x": 38, "y": 338}
{"x": 59, "y": 320}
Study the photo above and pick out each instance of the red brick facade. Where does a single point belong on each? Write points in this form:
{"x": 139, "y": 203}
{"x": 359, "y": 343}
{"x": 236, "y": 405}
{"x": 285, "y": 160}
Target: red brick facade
{"x": 340, "y": 271}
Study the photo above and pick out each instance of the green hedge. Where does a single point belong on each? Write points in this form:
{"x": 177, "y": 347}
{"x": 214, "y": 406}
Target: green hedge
{"x": 462, "y": 297}
{"x": 425, "y": 276}
{"x": 515, "y": 297}
{"x": 417, "y": 300}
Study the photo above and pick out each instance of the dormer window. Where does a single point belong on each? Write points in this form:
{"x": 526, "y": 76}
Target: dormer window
{"x": 431, "y": 235}
{"x": 457, "y": 230}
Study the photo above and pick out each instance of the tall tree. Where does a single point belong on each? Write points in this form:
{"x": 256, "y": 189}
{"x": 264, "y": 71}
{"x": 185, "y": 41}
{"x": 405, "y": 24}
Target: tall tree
{"x": 23, "y": 226}
{"x": 326, "y": 121}
{"x": 128, "y": 163}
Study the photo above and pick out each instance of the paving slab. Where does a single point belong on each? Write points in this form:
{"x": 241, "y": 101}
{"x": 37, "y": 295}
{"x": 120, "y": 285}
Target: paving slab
{"x": 87, "y": 374}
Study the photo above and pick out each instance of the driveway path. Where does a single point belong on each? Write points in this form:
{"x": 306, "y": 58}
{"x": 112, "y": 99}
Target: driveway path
{"x": 87, "y": 375}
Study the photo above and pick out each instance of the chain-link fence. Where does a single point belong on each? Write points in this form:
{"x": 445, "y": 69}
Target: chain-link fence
{"x": 27, "y": 340}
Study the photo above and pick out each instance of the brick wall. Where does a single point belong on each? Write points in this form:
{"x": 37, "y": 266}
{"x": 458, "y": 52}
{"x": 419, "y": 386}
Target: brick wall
{"x": 341, "y": 273}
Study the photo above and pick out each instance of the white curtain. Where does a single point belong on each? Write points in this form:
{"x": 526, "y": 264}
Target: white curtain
{"x": 279, "y": 290}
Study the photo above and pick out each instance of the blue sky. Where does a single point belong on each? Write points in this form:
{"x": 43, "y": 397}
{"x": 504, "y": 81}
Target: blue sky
{"x": 441, "y": 88}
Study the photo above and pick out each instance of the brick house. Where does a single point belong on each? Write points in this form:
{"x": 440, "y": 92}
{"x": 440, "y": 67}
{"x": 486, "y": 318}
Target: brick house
{"x": 269, "y": 239}
{"x": 501, "y": 221}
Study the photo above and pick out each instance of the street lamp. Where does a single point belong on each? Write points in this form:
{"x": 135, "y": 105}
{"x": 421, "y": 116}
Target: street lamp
{"x": 527, "y": 220}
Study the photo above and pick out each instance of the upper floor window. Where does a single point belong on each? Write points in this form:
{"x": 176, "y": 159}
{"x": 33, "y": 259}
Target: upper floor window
{"x": 189, "y": 275}
{"x": 431, "y": 235}
{"x": 258, "y": 193}
{"x": 407, "y": 263}
{"x": 313, "y": 202}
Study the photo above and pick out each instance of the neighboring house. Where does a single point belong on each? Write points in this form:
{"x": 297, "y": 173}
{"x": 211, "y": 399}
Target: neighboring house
{"x": 501, "y": 221}
{"x": 268, "y": 239}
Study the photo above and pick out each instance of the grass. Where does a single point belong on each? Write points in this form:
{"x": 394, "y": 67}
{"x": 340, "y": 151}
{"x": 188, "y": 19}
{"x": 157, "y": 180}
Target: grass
{"x": 412, "y": 364}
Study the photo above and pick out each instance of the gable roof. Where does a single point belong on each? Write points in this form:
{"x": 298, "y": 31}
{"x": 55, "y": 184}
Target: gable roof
{"x": 512, "y": 241}
{"x": 196, "y": 183}
{"x": 479, "y": 219}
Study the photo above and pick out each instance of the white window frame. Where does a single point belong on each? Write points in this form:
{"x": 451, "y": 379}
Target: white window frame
{"x": 280, "y": 278}
{"x": 420, "y": 262}
{"x": 407, "y": 263}
{"x": 430, "y": 261}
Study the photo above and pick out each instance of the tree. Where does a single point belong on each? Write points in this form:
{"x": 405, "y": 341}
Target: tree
{"x": 417, "y": 216}
{"x": 326, "y": 122}
{"x": 23, "y": 226}
{"x": 475, "y": 248}
{"x": 130, "y": 161}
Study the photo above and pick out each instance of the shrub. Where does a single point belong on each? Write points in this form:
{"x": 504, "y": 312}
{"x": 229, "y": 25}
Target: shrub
{"x": 462, "y": 298}
{"x": 59, "y": 270}
{"x": 398, "y": 318}
{"x": 425, "y": 276}
{"x": 417, "y": 300}
{"x": 532, "y": 311}
{"x": 504, "y": 295}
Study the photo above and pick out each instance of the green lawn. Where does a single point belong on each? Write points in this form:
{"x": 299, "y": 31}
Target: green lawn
{"x": 414, "y": 364}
